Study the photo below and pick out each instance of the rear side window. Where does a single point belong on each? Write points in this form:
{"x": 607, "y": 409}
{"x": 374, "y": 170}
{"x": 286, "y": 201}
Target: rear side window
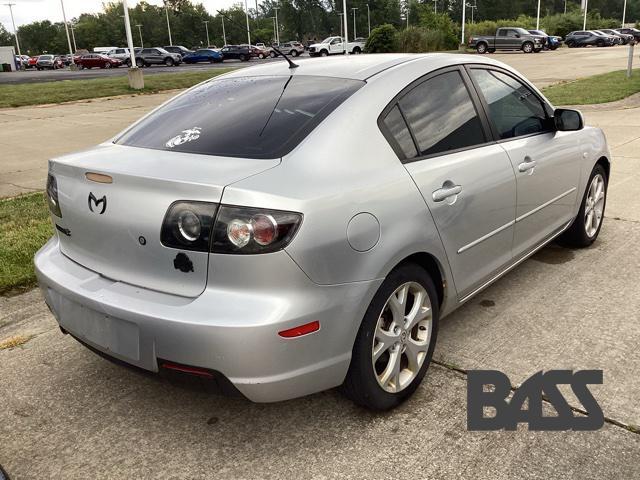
{"x": 513, "y": 108}
{"x": 251, "y": 117}
{"x": 441, "y": 115}
{"x": 400, "y": 132}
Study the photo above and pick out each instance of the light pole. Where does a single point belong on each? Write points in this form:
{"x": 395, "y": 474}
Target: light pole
{"x": 206, "y": 26}
{"x": 224, "y": 35}
{"x": 435, "y": 6}
{"x": 274, "y": 28}
{"x": 166, "y": 11}
{"x": 624, "y": 13}
{"x": 354, "y": 21}
{"x": 277, "y": 26}
{"x": 345, "y": 40}
{"x": 473, "y": 8}
{"x": 66, "y": 27}
{"x": 246, "y": 12}
{"x": 369, "y": 19}
{"x": 464, "y": 19}
{"x": 586, "y": 6}
{"x": 538, "y": 17}
{"x": 136, "y": 80}
{"x": 139, "y": 25}
{"x": 15, "y": 31}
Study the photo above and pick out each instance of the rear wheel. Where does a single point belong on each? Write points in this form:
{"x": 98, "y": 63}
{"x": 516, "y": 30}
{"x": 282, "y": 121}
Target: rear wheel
{"x": 357, "y": 51}
{"x": 139, "y": 62}
{"x": 527, "y": 47}
{"x": 482, "y": 48}
{"x": 586, "y": 227}
{"x": 395, "y": 343}
{"x": 261, "y": 56}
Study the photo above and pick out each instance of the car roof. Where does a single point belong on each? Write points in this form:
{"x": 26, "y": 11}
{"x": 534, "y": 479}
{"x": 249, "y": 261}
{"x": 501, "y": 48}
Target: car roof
{"x": 358, "y": 67}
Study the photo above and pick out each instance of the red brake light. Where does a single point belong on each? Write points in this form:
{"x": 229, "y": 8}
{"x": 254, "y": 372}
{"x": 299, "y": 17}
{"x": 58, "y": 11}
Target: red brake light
{"x": 301, "y": 330}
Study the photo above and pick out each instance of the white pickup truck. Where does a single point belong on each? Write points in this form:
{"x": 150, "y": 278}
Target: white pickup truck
{"x": 335, "y": 45}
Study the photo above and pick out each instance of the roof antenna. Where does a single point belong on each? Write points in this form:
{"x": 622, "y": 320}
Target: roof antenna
{"x": 291, "y": 64}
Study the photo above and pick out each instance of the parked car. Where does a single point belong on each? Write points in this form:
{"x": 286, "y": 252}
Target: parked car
{"x": 203, "y": 55}
{"x": 47, "y": 62}
{"x": 624, "y": 38}
{"x": 334, "y": 45}
{"x": 510, "y": 38}
{"x": 33, "y": 61}
{"x": 586, "y": 38}
{"x": 610, "y": 39}
{"x": 121, "y": 54}
{"x": 550, "y": 42}
{"x": 97, "y": 60}
{"x": 292, "y": 49}
{"x": 250, "y": 232}
{"x": 179, "y": 49}
{"x": 630, "y": 31}
{"x": 157, "y": 56}
{"x": 235, "y": 52}
{"x": 260, "y": 51}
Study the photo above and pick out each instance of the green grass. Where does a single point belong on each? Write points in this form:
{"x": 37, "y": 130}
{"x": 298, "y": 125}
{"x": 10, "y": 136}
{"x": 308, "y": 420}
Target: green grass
{"x": 607, "y": 87}
{"x": 24, "y": 227}
{"x": 69, "y": 90}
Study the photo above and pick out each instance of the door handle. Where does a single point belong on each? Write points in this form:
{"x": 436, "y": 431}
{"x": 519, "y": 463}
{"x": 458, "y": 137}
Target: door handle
{"x": 448, "y": 190}
{"x": 527, "y": 165}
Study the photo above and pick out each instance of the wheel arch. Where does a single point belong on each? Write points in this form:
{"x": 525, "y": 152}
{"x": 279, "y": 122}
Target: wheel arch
{"x": 606, "y": 164}
{"x": 433, "y": 267}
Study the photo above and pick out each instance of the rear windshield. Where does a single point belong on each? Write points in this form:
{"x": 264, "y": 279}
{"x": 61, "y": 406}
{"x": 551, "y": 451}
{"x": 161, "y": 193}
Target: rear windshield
{"x": 251, "y": 117}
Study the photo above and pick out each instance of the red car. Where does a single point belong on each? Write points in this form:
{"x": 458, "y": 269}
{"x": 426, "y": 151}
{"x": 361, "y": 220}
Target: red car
{"x": 97, "y": 60}
{"x": 32, "y": 62}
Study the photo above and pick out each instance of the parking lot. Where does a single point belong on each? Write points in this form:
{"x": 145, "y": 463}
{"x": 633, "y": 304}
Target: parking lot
{"x": 68, "y": 413}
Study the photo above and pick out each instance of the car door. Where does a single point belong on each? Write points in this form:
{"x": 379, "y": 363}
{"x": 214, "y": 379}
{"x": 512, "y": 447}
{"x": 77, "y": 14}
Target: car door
{"x": 465, "y": 178}
{"x": 546, "y": 162}
{"x": 336, "y": 46}
{"x": 156, "y": 56}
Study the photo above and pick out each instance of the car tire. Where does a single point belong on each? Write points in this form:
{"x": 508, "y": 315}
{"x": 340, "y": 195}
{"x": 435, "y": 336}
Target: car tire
{"x": 570, "y": 44}
{"x": 324, "y": 53}
{"x": 107, "y": 65}
{"x": 583, "y": 232}
{"x": 482, "y": 48}
{"x": 272, "y": 54}
{"x": 491, "y": 50}
{"x": 537, "y": 50}
{"x": 139, "y": 63}
{"x": 356, "y": 51}
{"x": 294, "y": 53}
{"x": 527, "y": 47}
{"x": 363, "y": 381}
{"x": 169, "y": 62}
{"x": 555, "y": 47}
{"x": 261, "y": 56}
{"x": 128, "y": 63}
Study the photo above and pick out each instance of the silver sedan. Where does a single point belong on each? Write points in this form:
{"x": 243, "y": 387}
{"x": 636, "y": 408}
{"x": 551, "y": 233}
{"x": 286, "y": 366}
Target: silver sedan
{"x": 288, "y": 229}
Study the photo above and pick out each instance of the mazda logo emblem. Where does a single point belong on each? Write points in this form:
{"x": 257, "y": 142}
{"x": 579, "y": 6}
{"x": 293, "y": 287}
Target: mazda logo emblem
{"x": 94, "y": 202}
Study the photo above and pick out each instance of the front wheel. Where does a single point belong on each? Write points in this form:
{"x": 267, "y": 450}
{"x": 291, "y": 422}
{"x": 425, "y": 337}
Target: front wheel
{"x": 169, "y": 62}
{"x": 272, "y": 54}
{"x": 586, "y": 227}
{"x": 395, "y": 342}
{"x": 107, "y": 65}
{"x": 324, "y": 53}
{"x": 139, "y": 63}
{"x": 527, "y": 47}
{"x": 294, "y": 53}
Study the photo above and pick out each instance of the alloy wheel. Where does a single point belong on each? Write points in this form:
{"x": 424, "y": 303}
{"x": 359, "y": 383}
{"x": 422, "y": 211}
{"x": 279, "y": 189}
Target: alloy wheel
{"x": 402, "y": 337}
{"x": 594, "y": 205}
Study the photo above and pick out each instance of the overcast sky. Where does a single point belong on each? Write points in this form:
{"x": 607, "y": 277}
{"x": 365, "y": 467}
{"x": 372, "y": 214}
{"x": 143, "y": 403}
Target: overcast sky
{"x": 27, "y": 11}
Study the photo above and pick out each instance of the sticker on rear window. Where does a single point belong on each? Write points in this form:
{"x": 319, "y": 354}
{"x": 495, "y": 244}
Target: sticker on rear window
{"x": 186, "y": 136}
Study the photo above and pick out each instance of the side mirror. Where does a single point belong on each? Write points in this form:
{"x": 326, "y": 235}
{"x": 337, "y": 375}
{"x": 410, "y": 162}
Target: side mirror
{"x": 568, "y": 120}
{"x": 517, "y": 35}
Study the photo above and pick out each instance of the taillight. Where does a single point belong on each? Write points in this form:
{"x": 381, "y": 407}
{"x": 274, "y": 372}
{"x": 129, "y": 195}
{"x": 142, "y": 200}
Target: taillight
{"x": 52, "y": 196}
{"x": 187, "y": 225}
{"x": 247, "y": 230}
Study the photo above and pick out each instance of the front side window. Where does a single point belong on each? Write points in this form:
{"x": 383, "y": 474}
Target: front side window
{"x": 514, "y": 109}
{"x": 441, "y": 115}
{"x": 249, "y": 117}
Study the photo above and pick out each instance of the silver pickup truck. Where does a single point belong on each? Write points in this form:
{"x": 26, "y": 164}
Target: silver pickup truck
{"x": 508, "y": 38}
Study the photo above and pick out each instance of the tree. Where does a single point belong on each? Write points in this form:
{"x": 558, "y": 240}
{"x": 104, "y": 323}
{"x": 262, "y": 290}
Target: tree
{"x": 6, "y": 38}
{"x": 383, "y": 39}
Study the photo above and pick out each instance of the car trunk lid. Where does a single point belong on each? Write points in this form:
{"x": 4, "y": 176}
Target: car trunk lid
{"x": 112, "y": 224}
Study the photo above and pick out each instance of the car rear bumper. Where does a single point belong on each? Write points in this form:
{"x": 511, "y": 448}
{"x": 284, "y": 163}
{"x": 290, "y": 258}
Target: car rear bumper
{"x": 230, "y": 330}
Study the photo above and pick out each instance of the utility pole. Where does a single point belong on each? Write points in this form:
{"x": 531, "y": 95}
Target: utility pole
{"x": 464, "y": 19}
{"x": 624, "y": 13}
{"x": 66, "y": 27}
{"x": 139, "y": 25}
{"x": 274, "y": 27}
{"x": 15, "y": 31}
{"x": 586, "y": 6}
{"x": 166, "y": 11}
{"x": 473, "y": 8}
{"x": 206, "y": 26}
{"x": 136, "y": 80}
{"x": 246, "y": 12}
{"x": 537, "y": 18}
{"x": 224, "y": 35}
{"x": 345, "y": 40}
{"x": 73, "y": 38}
{"x": 277, "y": 26}
{"x": 565, "y": 7}
{"x": 369, "y": 20}
{"x": 354, "y": 22}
